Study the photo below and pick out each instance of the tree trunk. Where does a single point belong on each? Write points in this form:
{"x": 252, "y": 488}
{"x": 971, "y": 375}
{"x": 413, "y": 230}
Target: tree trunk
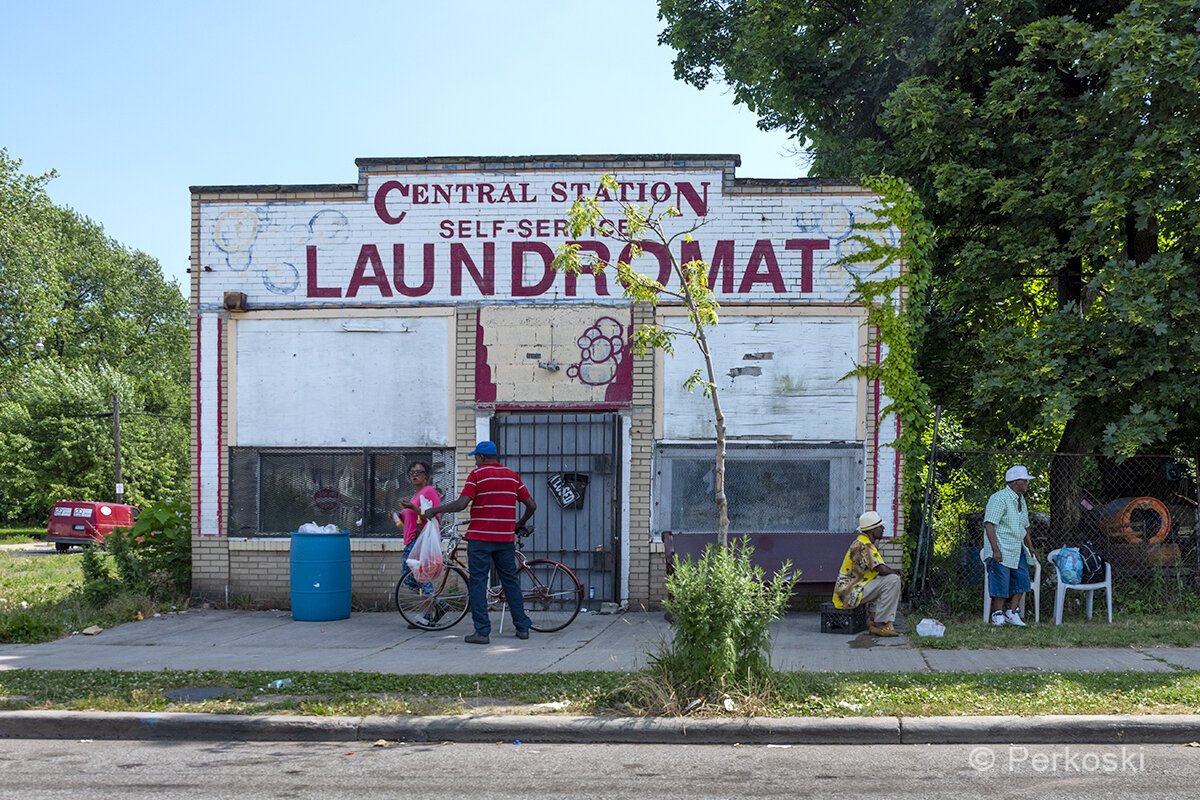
{"x": 719, "y": 416}
{"x": 1066, "y": 469}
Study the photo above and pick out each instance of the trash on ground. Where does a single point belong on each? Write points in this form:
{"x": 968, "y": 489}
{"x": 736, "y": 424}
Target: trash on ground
{"x": 557, "y": 705}
{"x": 931, "y": 627}
{"x": 281, "y": 683}
{"x": 92, "y": 631}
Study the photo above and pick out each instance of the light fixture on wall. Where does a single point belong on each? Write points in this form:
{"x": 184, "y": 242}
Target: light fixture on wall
{"x": 235, "y": 301}
{"x": 550, "y": 365}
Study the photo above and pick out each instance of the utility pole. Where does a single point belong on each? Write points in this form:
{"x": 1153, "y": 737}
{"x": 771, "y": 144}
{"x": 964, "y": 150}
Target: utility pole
{"x": 116, "y": 415}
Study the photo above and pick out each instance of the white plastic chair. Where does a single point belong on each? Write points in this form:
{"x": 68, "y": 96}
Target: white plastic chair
{"x": 1035, "y": 586}
{"x": 1060, "y": 593}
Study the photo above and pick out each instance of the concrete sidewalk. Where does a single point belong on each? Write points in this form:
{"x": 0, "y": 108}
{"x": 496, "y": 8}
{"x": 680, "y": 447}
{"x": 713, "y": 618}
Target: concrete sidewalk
{"x": 271, "y": 641}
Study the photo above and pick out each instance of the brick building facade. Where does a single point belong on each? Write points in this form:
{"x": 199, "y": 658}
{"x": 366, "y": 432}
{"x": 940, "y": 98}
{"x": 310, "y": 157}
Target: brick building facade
{"x": 341, "y": 331}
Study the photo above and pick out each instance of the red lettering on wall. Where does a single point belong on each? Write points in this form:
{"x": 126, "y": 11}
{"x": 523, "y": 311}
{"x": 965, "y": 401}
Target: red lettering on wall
{"x": 381, "y": 201}
{"x": 722, "y": 260}
{"x": 601, "y": 251}
{"x": 369, "y": 254}
{"x": 485, "y": 281}
{"x": 658, "y": 251}
{"x": 398, "y": 272}
{"x": 519, "y": 249}
{"x": 806, "y": 248}
{"x": 313, "y": 289}
{"x": 764, "y": 254}
{"x": 688, "y": 192}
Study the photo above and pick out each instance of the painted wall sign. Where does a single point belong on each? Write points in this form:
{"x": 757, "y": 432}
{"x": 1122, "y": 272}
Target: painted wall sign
{"x": 491, "y": 236}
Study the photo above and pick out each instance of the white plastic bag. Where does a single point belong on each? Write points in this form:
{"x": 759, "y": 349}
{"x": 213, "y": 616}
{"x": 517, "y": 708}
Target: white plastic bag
{"x": 426, "y": 560}
{"x": 312, "y": 527}
{"x": 931, "y": 627}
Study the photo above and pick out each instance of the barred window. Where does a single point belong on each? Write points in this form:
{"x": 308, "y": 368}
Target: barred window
{"x": 771, "y": 489}
{"x": 274, "y": 491}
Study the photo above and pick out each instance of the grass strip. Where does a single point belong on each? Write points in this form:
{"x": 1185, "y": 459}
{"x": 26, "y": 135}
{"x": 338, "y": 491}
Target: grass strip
{"x": 602, "y": 693}
{"x": 1126, "y": 630}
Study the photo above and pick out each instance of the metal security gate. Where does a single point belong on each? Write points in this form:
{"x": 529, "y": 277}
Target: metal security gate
{"x": 570, "y": 464}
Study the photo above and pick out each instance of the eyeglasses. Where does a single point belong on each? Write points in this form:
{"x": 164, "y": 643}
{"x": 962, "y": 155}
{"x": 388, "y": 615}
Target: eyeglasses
{"x": 416, "y": 472}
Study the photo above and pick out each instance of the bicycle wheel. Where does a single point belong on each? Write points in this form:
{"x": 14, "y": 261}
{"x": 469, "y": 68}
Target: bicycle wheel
{"x": 443, "y": 608}
{"x": 552, "y": 594}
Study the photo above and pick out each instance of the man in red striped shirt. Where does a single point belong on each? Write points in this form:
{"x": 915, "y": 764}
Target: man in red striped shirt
{"x": 492, "y": 491}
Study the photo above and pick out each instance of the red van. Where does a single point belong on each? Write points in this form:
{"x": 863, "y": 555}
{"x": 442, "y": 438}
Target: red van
{"x": 80, "y": 522}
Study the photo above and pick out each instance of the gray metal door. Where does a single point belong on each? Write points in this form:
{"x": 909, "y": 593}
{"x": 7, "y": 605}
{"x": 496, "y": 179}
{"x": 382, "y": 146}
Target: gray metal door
{"x": 570, "y": 464}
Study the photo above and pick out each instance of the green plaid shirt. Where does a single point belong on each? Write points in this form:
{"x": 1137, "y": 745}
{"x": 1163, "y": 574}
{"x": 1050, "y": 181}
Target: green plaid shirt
{"x": 1009, "y": 512}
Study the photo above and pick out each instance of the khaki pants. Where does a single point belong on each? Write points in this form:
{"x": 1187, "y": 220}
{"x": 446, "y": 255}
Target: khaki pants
{"x": 884, "y": 593}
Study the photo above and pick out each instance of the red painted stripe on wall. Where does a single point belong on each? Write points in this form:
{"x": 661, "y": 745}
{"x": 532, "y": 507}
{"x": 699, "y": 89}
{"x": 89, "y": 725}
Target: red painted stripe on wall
{"x": 198, "y": 422}
{"x": 875, "y": 449}
{"x": 220, "y": 417}
{"x": 896, "y": 488}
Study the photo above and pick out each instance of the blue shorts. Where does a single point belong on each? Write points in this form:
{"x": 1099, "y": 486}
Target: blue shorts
{"x": 1005, "y": 581}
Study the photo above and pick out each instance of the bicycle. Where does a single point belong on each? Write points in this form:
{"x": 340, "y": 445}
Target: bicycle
{"x": 552, "y": 594}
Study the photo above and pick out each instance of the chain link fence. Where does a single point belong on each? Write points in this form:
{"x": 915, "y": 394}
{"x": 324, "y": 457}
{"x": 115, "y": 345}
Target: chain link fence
{"x": 1139, "y": 514}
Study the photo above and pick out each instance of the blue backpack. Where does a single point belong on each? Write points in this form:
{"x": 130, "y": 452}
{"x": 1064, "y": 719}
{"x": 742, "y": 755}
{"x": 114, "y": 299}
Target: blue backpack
{"x": 1070, "y": 565}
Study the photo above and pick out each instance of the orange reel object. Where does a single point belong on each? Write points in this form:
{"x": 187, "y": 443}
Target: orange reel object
{"x": 1139, "y": 520}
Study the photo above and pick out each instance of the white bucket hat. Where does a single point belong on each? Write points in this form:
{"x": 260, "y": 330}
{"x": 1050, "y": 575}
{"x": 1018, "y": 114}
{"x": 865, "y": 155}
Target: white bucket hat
{"x": 1017, "y": 473}
{"x": 869, "y": 521}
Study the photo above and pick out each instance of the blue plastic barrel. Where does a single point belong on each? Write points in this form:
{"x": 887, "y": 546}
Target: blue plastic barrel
{"x": 320, "y": 573}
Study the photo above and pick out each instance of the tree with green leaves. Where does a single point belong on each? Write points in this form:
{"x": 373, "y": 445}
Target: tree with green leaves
{"x": 83, "y": 319}
{"x": 1054, "y": 147}
{"x": 634, "y": 227}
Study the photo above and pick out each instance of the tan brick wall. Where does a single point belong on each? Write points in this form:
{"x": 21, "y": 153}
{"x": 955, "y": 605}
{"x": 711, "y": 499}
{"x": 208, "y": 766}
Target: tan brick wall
{"x": 466, "y": 318}
{"x": 647, "y": 581}
{"x": 210, "y": 568}
{"x": 260, "y": 572}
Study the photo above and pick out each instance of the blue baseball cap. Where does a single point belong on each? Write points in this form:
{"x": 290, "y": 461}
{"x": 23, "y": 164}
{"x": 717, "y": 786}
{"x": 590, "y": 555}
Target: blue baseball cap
{"x": 484, "y": 449}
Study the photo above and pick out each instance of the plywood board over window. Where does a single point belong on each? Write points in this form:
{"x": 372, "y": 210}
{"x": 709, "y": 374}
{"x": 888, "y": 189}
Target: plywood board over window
{"x": 780, "y": 378}
{"x": 338, "y": 382}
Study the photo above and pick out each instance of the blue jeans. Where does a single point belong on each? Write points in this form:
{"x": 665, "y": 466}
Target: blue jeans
{"x": 409, "y": 580}
{"x": 481, "y": 557}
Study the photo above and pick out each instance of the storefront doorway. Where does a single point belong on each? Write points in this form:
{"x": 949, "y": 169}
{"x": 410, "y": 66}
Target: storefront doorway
{"x": 570, "y": 464}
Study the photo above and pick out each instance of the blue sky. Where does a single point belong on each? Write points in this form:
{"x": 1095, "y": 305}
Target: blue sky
{"x": 133, "y": 102}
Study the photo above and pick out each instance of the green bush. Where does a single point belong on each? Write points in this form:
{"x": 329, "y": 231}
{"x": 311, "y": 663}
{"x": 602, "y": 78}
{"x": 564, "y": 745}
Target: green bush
{"x": 722, "y": 609}
{"x": 153, "y": 558}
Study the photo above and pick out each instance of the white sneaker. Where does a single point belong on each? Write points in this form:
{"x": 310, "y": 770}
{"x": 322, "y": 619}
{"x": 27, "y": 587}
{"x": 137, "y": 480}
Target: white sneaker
{"x": 999, "y": 618}
{"x": 1013, "y": 617}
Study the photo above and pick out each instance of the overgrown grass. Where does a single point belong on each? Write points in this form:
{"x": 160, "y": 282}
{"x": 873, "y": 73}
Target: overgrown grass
{"x": 605, "y": 693}
{"x": 21, "y": 535}
{"x": 41, "y": 599}
{"x": 1126, "y": 630}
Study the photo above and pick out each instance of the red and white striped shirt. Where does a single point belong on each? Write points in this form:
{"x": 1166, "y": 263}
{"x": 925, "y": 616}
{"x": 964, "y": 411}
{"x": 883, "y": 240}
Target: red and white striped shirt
{"x": 495, "y": 491}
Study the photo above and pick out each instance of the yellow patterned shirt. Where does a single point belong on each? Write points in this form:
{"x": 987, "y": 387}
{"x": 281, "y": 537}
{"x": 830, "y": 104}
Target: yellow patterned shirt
{"x": 859, "y": 568}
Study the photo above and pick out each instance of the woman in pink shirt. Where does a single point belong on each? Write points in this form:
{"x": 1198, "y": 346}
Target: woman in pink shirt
{"x": 419, "y": 473}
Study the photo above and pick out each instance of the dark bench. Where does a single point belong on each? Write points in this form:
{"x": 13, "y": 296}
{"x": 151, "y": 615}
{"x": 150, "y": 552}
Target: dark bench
{"x": 818, "y": 556}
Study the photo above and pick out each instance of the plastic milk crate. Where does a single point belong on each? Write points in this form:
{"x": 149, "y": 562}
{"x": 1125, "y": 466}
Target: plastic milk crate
{"x": 843, "y": 620}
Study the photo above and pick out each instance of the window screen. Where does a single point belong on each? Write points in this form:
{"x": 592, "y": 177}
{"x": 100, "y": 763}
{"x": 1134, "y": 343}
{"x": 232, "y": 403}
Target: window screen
{"x": 770, "y": 489}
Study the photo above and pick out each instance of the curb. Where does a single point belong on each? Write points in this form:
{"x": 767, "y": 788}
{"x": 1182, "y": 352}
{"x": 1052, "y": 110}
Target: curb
{"x": 1058, "y": 729}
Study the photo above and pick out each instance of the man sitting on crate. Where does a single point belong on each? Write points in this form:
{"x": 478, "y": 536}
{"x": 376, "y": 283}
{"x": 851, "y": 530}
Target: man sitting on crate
{"x": 866, "y": 578}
